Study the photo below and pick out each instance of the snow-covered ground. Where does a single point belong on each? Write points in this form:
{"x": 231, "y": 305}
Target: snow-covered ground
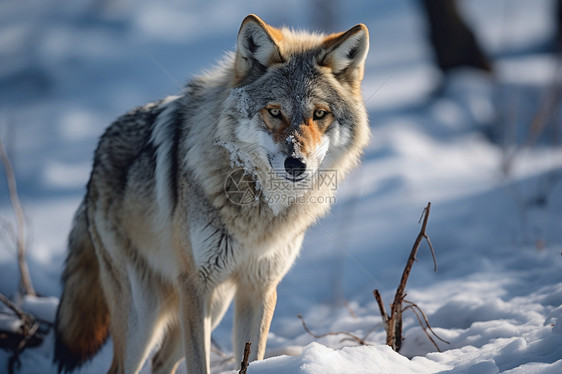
{"x": 69, "y": 67}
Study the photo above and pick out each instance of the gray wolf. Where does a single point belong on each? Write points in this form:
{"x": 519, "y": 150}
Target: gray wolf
{"x": 160, "y": 245}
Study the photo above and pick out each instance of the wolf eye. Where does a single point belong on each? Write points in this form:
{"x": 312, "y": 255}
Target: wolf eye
{"x": 319, "y": 114}
{"x": 275, "y": 112}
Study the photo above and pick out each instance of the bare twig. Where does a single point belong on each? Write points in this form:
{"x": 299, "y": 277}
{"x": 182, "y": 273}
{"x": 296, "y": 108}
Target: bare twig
{"x": 425, "y": 217}
{"x": 393, "y": 322}
{"x": 381, "y": 305}
{"x": 244, "y": 363}
{"x": 432, "y": 251}
{"x": 424, "y": 323}
{"x": 47, "y": 324}
{"x": 423, "y": 327}
{"x": 28, "y": 334}
{"x": 11, "y": 305}
{"x": 350, "y": 336}
{"x": 389, "y": 323}
{"x": 25, "y": 282}
{"x": 406, "y": 273}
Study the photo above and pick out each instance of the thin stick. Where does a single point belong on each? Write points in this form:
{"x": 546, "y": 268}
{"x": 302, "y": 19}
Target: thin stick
{"x": 11, "y": 305}
{"x": 244, "y": 363}
{"x": 406, "y": 273}
{"x": 25, "y": 281}
{"x": 414, "y": 305}
{"x": 40, "y": 320}
{"x": 381, "y": 305}
{"x": 393, "y": 322}
{"x": 350, "y": 335}
{"x": 388, "y": 321}
{"x": 29, "y": 329}
{"x": 423, "y": 327}
{"x": 432, "y": 251}
{"x": 27, "y": 337}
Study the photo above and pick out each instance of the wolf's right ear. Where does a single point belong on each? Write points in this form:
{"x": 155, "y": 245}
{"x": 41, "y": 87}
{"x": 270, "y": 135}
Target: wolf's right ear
{"x": 345, "y": 53}
{"x": 257, "y": 48}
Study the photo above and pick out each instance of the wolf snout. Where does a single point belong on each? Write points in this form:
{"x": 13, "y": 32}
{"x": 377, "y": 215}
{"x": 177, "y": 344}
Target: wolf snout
{"x": 294, "y": 167}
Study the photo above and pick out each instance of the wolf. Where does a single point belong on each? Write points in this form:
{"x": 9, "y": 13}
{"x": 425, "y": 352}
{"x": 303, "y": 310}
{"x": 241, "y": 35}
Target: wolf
{"x": 166, "y": 235}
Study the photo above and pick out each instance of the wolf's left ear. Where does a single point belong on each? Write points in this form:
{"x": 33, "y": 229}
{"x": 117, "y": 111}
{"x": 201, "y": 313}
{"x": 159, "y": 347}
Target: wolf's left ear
{"x": 257, "y": 47}
{"x": 345, "y": 53}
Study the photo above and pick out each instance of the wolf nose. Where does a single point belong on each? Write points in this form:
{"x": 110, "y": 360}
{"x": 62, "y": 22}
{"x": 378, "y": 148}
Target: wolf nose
{"x": 294, "y": 166}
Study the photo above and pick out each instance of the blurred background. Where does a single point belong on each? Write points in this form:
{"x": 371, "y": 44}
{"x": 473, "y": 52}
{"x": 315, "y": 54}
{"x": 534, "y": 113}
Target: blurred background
{"x": 463, "y": 99}
{"x": 70, "y": 67}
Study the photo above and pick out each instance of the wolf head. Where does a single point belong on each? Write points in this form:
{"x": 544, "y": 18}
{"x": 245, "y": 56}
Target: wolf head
{"x": 295, "y": 104}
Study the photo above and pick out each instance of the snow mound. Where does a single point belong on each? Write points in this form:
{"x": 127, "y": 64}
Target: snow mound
{"x": 319, "y": 359}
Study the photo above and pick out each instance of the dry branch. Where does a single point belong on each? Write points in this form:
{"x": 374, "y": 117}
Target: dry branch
{"x": 30, "y": 333}
{"x": 244, "y": 363}
{"x": 348, "y": 334}
{"x": 424, "y": 323}
{"x": 26, "y": 286}
{"x": 11, "y": 305}
{"x": 393, "y": 322}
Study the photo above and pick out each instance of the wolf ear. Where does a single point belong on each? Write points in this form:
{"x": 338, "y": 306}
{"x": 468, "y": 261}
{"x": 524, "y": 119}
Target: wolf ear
{"x": 345, "y": 53}
{"x": 257, "y": 47}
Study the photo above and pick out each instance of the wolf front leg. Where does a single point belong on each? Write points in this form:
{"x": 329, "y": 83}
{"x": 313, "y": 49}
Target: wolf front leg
{"x": 253, "y": 312}
{"x": 196, "y": 326}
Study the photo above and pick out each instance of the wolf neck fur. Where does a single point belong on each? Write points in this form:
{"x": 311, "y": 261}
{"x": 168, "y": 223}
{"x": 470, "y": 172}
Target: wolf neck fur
{"x": 210, "y": 166}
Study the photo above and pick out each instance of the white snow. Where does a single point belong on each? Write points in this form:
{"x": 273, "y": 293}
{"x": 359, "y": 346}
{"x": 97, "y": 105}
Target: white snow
{"x": 70, "y": 67}
{"x": 319, "y": 359}
{"x": 9, "y": 322}
{"x": 44, "y": 308}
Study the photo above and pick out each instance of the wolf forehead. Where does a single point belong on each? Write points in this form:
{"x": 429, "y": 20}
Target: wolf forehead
{"x": 295, "y": 83}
